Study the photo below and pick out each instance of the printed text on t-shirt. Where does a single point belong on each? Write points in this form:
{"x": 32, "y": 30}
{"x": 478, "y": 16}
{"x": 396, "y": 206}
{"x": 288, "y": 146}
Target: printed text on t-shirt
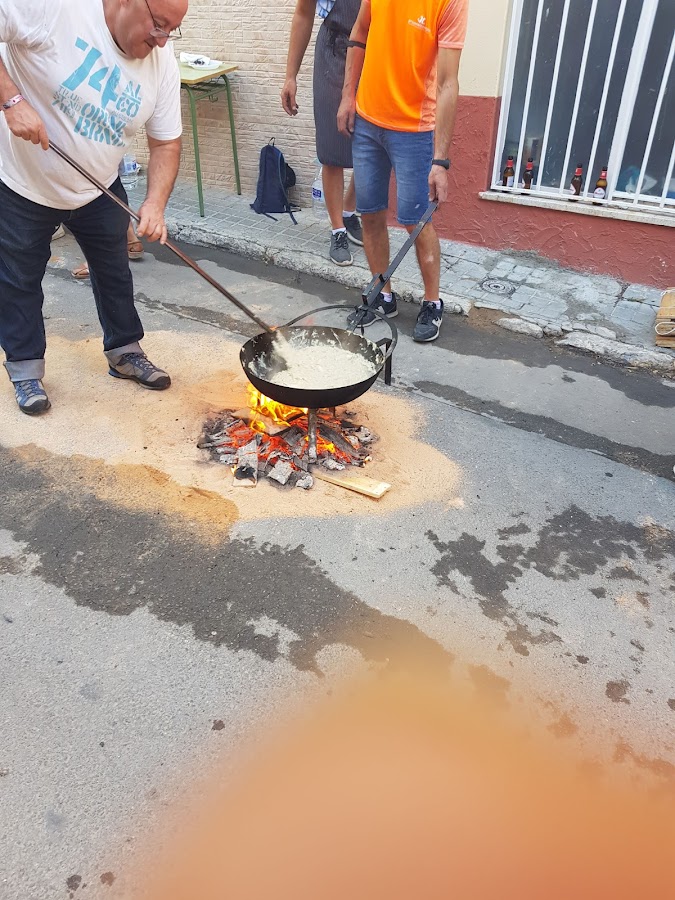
{"x": 105, "y": 121}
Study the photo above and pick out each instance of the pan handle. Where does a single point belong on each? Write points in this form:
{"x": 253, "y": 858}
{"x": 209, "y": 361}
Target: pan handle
{"x": 394, "y": 333}
{"x": 350, "y": 308}
{"x": 375, "y": 285}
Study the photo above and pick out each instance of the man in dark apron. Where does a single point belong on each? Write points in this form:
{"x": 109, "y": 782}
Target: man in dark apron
{"x": 333, "y": 149}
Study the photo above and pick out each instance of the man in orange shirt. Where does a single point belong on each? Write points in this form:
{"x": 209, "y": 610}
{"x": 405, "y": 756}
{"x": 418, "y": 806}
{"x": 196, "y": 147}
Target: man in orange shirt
{"x": 404, "y": 57}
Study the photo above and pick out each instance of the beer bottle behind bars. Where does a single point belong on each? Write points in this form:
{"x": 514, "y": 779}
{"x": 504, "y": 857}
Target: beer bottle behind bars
{"x": 600, "y": 191}
{"x": 577, "y": 182}
{"x": 528, "y": 174}
{"x": 509, "y": 175}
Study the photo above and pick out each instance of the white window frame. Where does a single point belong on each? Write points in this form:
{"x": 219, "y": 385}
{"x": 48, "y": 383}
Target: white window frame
{"x": 615, "y": 199}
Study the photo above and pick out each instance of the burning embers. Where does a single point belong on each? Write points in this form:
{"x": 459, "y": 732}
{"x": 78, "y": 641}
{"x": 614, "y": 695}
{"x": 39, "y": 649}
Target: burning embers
{"x": 281, "y": 442}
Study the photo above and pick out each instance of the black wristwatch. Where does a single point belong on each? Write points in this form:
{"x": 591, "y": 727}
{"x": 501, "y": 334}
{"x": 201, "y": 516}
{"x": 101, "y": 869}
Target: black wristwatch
{"x": 445, "y": 163}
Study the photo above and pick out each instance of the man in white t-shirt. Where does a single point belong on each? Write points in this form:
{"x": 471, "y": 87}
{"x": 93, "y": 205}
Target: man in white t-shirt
{"x": 87, "y": 74}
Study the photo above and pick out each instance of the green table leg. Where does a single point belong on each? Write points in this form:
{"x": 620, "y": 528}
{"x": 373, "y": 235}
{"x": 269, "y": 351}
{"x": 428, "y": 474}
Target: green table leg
{"x": 234, "y": 137}
{"x": 195, "y": 138}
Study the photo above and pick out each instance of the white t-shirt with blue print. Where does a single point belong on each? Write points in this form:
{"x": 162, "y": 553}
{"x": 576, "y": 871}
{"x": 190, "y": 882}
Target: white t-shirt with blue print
{"x": 92, "y": 98}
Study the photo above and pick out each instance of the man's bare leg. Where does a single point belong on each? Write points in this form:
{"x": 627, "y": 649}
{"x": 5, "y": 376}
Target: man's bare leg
{"x": 333, "y": 192}
{"x": 428, "y": 249}
{"x": 350, "y": 196}
{"x": 351, "y": 220}
{"x": 376, "y": 243}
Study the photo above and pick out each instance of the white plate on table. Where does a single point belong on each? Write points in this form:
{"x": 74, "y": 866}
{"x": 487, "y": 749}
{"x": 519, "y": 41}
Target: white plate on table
{"x": 211, "y": 64}
{"x": 199, "y": 61}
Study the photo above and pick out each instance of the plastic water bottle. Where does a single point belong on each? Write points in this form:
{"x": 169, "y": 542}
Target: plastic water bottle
{"x": 128, "y": 170}
{"x": 318, "y": 199}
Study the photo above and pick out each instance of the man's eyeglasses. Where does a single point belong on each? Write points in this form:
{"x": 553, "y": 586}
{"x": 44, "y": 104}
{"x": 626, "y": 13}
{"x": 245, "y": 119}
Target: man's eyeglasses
{"x": 159, "y": 33}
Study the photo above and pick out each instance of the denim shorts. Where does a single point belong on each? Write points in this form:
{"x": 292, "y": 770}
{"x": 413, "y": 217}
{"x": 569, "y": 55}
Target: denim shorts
{"x": 376, "y": 151}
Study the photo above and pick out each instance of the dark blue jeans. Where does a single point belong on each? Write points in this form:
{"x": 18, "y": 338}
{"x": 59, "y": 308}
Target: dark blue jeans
{"x": 26, "y": 230}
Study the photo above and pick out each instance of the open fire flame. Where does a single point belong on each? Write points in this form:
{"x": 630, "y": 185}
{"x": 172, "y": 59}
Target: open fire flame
{"x": 262, "y": 406}
{"x": 268, "y": 439}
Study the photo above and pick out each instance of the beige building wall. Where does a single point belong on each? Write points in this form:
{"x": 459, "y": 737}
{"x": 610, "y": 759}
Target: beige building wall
{"x": 254, "y": 36}
{"x": 486, "y": 43}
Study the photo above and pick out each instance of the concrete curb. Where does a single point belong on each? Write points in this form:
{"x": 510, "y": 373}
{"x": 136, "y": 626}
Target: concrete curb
{"x": 626, "y": 354}
{"x": 596, "y": 341}
{"x": 354, "y": 276}
{"x": 522, "y": 326}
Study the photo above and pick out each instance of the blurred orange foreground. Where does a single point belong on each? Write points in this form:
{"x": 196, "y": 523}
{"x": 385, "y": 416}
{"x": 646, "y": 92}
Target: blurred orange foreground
{"x": 404, "y": 788}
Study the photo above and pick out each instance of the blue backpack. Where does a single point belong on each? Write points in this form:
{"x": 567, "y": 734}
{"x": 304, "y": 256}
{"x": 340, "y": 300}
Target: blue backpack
{"x": 275, "y": 177}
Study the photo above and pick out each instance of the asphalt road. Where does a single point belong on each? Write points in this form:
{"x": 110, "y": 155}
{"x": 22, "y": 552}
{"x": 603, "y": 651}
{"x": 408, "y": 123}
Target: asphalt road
{"x": 151, "y": 613}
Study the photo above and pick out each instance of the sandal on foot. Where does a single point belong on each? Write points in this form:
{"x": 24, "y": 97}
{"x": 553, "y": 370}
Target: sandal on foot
{"x": 135, "y": 249}
{"x": 81, "y": 271}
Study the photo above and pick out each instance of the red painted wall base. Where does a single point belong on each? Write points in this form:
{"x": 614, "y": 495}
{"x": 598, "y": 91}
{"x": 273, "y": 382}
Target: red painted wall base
{"x": 628, "y": 251}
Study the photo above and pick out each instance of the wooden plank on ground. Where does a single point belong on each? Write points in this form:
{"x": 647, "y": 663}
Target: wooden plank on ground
{"x": 353, "y": 481}
{"x": 665, "y": 320}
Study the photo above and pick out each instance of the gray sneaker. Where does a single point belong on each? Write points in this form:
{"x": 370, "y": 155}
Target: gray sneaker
{"x": 354, "y": 229}
{"x": 31, "y": 396}
{"x": 137, "y": 367}
{"x": 362, "y": 316}
{"x": 428, "y": 325}
{"x": 339, "y": 249}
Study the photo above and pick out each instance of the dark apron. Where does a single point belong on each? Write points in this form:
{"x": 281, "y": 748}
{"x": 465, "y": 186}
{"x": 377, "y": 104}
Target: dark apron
{"x": 330, "y": 56}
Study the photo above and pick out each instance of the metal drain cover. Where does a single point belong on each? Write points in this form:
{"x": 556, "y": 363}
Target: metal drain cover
{"x": 496, "y": 286}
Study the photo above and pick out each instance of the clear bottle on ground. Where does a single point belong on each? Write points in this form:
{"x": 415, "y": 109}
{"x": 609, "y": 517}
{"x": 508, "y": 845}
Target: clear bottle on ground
{"x": 318, "y": 199}
{"x": 128, "y": 170}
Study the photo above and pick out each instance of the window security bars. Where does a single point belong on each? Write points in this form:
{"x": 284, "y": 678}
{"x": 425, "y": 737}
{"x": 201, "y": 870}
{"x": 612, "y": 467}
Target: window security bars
{"x": 591, "y": 83}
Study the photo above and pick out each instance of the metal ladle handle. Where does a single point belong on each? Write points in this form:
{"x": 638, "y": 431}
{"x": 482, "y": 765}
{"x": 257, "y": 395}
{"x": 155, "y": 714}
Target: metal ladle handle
{"x": 380, "y": 280}
{"x": 179, "y": 253}
{"x": 349, "y": 307}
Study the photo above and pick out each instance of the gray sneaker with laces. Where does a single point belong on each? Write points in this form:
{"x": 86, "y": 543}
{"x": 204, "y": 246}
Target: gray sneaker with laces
{"x": 428, "y": 325}
{"x": 354, "y": 229}
{"x": 31, "y": 396}
{"x": 137, "y": 367}
{"x": 339, "y": 249}
{"x": 362, "y": 316}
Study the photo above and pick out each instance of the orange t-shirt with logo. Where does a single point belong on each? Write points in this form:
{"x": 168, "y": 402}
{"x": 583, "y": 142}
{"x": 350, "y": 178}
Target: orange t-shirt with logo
{"x": 397, "y": 89}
